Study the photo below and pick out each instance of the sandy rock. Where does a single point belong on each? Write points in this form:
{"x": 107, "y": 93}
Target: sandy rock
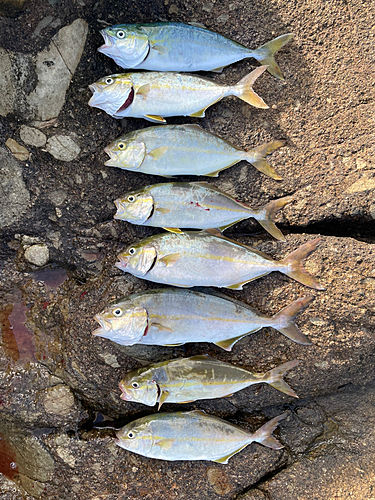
{"x": 63, "y": 147}
{"x": 37, "y": 254}
{"x": 7, "y": 88}
{"x": 59, "y": 400}
{"x": 18, "y": 151}
{"x": 32, "y": 136}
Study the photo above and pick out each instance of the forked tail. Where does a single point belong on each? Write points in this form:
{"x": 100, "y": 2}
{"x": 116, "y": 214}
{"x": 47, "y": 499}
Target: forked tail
{"x": 284, "y": 323}
{"x": 265, "y": 54}
{"x": 292, "y": 265}
{"x": 264, "y": 216}
{"x": 257, "y": 157}
{"x": 264, "y": 437}
{"x": 275, "y": 377}
{"x": 244, "y": 89}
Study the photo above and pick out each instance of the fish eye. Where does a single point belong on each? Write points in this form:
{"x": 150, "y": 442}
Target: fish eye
{"x": 131, "y": 198}
{"x": 120, "y": 34}
{"x": 132, "y": 250}
{"x": 108, "y": 81}
{"x": 117, "y": 312}
{"x": 135, "y": 385}
{"x": 121, "y": 145}
{"x": 131, "y": 435}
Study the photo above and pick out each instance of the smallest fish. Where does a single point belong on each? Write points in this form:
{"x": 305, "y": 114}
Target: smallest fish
{"x": 192, "y": 205}
{"x": 200, "y": 377}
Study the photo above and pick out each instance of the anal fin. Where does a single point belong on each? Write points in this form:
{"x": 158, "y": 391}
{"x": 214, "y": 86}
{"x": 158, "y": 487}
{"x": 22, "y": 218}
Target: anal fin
{"x": 155, "y": 118}
{"x": 224, "y": 460}
{"x": 173, "y": 230}
{"x": 229, "y": 343}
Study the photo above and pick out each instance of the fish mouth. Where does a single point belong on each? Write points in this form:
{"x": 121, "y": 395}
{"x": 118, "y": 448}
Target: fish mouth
{"x": 107, "y": 42}
{"x": 120, "y": 209}
{"x": 122, "y": 263}
{"x": 105, "y": 325}
{"x": 128, "y": 101}
{"x": 124, "y": 395}
{"x": 112, "y": 158}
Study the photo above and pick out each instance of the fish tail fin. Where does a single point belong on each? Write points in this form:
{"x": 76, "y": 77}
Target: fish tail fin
{"x": 284, "y": 323}
{"x": 244, "y": 89}
{"x": 292, "y": 265}
{"x": 257, "y": 157}
{"x": 264, "y": 434}
{"x": 275, "y": 378}
{"x": 264, "y": 216}
{"x": 265, "y": 54}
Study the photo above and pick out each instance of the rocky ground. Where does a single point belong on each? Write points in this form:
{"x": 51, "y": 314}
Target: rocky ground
{"x": 58, "y": 384}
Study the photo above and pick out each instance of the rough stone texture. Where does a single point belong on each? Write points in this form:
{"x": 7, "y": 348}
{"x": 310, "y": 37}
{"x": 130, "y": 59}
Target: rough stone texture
{"x": 32, "y": 136}
{"x": 14, "y": 197}
{"x": 63, "y": 147}
{"x": 37, "y": 254}
{"x": 324, "y": 111}
{"x": 17, "y": 150}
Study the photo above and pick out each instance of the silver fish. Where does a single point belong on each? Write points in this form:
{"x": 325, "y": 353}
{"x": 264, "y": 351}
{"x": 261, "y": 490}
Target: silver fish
{"x": 184, "y": 150}
{"x": 207, "y": 258}
{"x": 182, "y": 47}
{"x": 155, "y": 95}
{"x": 199, "y": 377}
{"x": 192, "y": 205}
{"x": 173, "y": 316}
{"x": 192, "y": 435}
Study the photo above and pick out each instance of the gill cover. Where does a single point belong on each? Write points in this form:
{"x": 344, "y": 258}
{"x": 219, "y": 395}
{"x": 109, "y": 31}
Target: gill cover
{"x": 123, "y": 326}
{"x": 127, "y": 45}
{"x": 135, "y": 207}
{"x": 111, "y": 93}
{"x": 137, "y": 260}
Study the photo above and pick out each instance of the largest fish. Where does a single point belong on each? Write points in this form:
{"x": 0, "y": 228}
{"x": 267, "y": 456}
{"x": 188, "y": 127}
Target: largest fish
{"x": 207, "y": 258}
{"x": 155, "y": 95}
{"x": 181, "y": 47}
{"x": 192, "y": 435}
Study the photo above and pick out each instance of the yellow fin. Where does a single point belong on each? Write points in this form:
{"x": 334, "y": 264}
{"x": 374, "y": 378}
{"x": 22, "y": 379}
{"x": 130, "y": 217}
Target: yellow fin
{"x": 155, "y": 118}
{"x": 224, "y": 460}
{"x": 161, "y": 327}
{"x": 229, "y": 343}
{"x": 217, "y": 172}
{"x": 158, "y": 152}
{"x": 170, "y": 259}
{"x": 165, "y": 444}
{"x": 163, "y": 210}
{"x": 199, "y": 114}
{"x": 238, "y": 286}
{"x": 161, "y": 49}
{"x": 184, "y": 402}
{"x": 163, "y": 397}
{"x": 217, "y": 70}
{"x": 144, "y": 90}
{"x": 172, "y": 345}
{"x": 173, "y": 230}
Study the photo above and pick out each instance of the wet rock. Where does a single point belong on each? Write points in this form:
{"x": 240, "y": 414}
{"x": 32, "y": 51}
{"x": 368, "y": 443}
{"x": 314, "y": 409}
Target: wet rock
{"x": 18, "y": 151}
{"x": 37, "y": 255}
{"x": 63, "y": 147}
{"x": 219, "y": 481}
{"x": 7, "y": 88}
{"x": 59, "y": 400}
{"x": 32, "y": 136}
{"x": 14, "y": 197}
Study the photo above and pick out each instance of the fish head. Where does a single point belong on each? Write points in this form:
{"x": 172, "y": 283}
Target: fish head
{"x": 135, "y": 207}
{"x": 135, "y": 436}
{"x": 137, "y": 259}
{"x": 128, "y": 155}
{"x": 122, "y": 323}
{"x": 127, "y": 45}
{"x": 113, "y": 93}
{"x": 139, "y": 386}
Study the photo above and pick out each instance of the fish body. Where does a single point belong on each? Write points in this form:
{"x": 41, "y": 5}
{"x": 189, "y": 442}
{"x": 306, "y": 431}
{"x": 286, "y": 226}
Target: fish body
{"x": 176, "y": 316}
{"x": 155, "y": 95}
{"x": 198, "y": 205}
{"x": 192, "y": 435}
{"x": 183, "y": 150}
{"x": 199, "y": 377}
{"x": 206, "y": 258}
{"x": 170, "y": 46}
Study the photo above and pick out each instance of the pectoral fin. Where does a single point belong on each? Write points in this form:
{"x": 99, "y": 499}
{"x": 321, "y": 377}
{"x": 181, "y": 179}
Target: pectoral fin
{"x": 155, "y": 118}
{"x": 165, "y": 444}
{"x": 161, "y": 49}
{"x": 161, "y": 327}
{"x": 158, "y": 152}
{"x": 173, "y": 229}
{"x": 229, "y": 343}
{"x": 144, "y": 90}
{"x": 163, "y": 210}
{"x": 224, "y": 460}
{"x": 170, "y": 259}
{"x": 163, "y": 397}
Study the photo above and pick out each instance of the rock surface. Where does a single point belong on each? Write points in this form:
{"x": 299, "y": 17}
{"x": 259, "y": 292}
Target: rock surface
{"x": 59, "y": 395}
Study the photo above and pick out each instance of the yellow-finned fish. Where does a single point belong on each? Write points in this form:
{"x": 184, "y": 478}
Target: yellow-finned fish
{"x": 197, "y": 205}
{"x": 192, "y": 435}
{"x": 155, "y": 95}
{"x": 207, "y": 258}
{"x": 170, "y": 46}
{"x": 199, "y": 377}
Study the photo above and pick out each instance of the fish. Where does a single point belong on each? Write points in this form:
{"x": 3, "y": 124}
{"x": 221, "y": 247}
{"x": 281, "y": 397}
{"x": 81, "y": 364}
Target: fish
{"x": 154, "y": 95}
{"x": 197, "y": 205}
{"x": 192, "y": 435}
{"x": 185, "y": 380}
{"x": 207, "y": 258}
{"x": 184, "y": 150}
{"x": 168, "y": 46}
{"x": 174, "y": 316}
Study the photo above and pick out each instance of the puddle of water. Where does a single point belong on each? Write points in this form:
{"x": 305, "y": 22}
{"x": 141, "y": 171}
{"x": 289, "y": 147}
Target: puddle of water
{"x": 52, "y": 278}
{"x": 8, "y": 464}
